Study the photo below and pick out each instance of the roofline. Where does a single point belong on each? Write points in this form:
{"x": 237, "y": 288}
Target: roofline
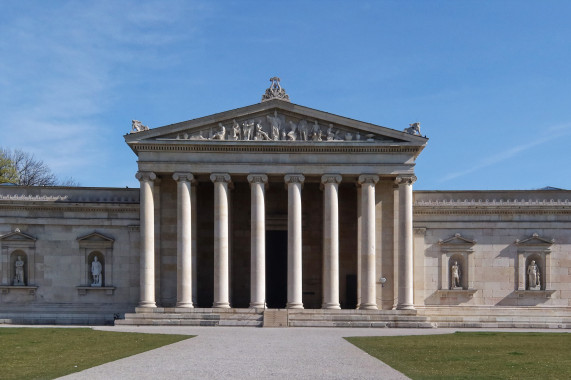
{"x": 267, "y": 105}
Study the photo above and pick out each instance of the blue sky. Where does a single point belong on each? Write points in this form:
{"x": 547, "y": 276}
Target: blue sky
{"x": 488, "y": 80}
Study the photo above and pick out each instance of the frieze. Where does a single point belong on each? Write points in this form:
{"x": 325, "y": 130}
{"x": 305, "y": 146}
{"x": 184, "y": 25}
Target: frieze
{"x": 34, "y": 198}
{"x": 492, "y": 203}
{"x": 278, "y": 148}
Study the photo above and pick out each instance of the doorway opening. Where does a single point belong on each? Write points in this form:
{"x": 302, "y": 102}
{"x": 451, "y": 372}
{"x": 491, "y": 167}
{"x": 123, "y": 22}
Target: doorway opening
{"x": 276, "y": 269}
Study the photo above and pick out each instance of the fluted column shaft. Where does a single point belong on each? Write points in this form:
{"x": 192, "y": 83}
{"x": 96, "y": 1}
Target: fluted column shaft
{"x": 294, "y": 248}
{"x": 184, "y": 239}
{"x": 331, "y": 241}
{"x": 147, "y": 232}
{"x": 368, "y": 273}
{"x": 221, "y": 243}
{"x": 406, "y": 281}
{"x": 258, "y": 241}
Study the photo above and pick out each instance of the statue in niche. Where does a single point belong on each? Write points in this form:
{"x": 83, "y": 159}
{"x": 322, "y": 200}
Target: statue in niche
{"x": 19, "y": 272}
{"x": 260, "y": 134}
{"x": 248, "y": 130}
{"x": 291, "y": 135}
{"x": 96, "y": 270}
{"x": 303, "y": 130}
{"x": 221, "y": 134}
{"x": 235, "y": 131}
{"x": 316, "y": 132}
{"x": 275, "y": 125}
{"x": 534, "y": 282}
{"x": 455, "y": 276}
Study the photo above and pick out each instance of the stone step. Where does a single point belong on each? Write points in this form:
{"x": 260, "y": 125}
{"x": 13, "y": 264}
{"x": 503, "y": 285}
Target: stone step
{"x": 276, "y": 318}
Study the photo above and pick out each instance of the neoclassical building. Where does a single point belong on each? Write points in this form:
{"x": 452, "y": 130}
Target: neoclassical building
{"x": 279, "y": 214}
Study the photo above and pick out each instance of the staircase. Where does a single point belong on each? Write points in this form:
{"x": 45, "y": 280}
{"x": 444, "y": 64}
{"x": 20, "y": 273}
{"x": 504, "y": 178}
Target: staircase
{"x": 180, "y": 316}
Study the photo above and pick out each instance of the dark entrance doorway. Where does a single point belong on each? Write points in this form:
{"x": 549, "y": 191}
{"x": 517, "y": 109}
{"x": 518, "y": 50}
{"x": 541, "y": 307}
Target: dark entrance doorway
{"x": 276, "y": 269}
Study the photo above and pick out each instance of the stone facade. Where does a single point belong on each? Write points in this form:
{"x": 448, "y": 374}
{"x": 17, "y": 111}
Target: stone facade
{"x": 276, "y": 205}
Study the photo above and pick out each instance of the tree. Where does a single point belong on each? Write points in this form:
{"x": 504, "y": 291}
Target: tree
{"x": 29, "y": 171}
{"x": 8, "y": 172}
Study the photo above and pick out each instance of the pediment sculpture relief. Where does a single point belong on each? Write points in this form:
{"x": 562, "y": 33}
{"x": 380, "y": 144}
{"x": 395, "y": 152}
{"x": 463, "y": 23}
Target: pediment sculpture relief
{"x": 276, "y": 127}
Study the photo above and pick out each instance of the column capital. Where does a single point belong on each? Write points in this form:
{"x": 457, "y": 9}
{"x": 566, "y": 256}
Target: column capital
{"x": 405, "y": 179}
{"x": 183, "y": 177}
{"x": 368, "y": 178}
{"x": 294, "y": 178}
{"x": 220, "y": 177}
{"x": 257, "y": 178}
{"x": 146, "y": 176}
{"x": 331, "y": 178}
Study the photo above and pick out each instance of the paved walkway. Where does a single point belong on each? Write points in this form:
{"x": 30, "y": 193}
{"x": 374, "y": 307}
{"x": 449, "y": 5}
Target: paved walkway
{"x": 253, "y": 353}
{"x": 256, "y": 353}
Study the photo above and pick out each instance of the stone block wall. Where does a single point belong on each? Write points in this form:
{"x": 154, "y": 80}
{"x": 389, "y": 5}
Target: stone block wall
{"x": 57, "y": 231}
{"x": 505, "y": 227}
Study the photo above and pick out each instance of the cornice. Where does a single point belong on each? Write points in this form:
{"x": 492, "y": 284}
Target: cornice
{"x": 70, "y": 207}
{"x": 269, "y": 147}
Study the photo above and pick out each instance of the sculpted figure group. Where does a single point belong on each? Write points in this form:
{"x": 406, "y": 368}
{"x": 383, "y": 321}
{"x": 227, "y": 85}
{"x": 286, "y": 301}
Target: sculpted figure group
{"x": 276, "y": 130}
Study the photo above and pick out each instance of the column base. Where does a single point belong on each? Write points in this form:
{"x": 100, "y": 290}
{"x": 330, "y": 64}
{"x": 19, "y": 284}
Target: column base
{"x": 147, "y": 304}
{"x": 331, "y": 306}
{"x": 221, "y": 305}
{"x": 185, "y": 304}
{"x": 258, "y": 305}
{"x": 368, "y": 306}
{"x": 405, "y": 307}
{"x": 294, "y": 305}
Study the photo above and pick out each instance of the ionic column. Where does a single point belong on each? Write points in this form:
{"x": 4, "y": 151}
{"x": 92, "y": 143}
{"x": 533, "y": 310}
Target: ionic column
{"x": 194, "y": 224}
{"x": 184, "y": 239}
{"x": 258, "y": 241}
{"x": 221, "y": 262}
{"x": 405, "y": 296}
{"x": 368, "y": 280}
{"x": 330, "y": 241}
{"x": 294, "y": 288}
{"x": 147, "y": 231}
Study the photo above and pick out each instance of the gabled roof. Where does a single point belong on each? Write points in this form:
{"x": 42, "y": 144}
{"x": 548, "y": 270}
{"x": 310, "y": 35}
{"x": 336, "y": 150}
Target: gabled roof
{"x": 17, "y": 235}
{"x": 535, "y": 240}
{"x": 287, "y": 116}
{"x": 457, "y": 240}
{"x": 95, "y": 236}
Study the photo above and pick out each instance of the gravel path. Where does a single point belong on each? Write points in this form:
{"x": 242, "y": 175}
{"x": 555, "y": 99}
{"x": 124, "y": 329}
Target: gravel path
{"x": 257, "y": 353}
{"x": 252, "y": 353}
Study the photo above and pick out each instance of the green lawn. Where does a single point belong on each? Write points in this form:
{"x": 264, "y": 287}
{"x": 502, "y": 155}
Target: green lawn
{"x": 481, "y": 355}
{"x": 46, "y": 353}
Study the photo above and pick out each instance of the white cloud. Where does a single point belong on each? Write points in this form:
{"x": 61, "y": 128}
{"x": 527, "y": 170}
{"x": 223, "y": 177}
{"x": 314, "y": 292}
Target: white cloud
{"x": 554, "y": 132}
{"x": 62, "y": 66}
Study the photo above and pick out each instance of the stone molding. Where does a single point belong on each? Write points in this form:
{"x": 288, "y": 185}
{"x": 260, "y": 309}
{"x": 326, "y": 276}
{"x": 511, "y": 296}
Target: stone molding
{"x": 220, "y": 177}
{"x": 294, "y": 178}
{"x": 368, "y": 178}
{"x": 223, "y": 146}
{"x": 146, "y": 176}
{"x": 183, "y": 177}
{"x": 494, "y": 203}
{"x": 34, "y": 198}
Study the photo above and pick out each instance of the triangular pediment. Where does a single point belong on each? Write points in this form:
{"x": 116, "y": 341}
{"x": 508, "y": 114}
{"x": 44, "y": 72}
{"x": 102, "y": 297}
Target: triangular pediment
{"x": 95, "y": 237}
{"x": 457, "y": 240}
{"x": 535, "y": 240}
{"x": 17, "y": 235}
{"x": 276, "y": 121}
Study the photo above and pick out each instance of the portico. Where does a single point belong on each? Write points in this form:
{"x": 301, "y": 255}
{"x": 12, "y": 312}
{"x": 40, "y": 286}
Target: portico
{"x": 212, "y": 190}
